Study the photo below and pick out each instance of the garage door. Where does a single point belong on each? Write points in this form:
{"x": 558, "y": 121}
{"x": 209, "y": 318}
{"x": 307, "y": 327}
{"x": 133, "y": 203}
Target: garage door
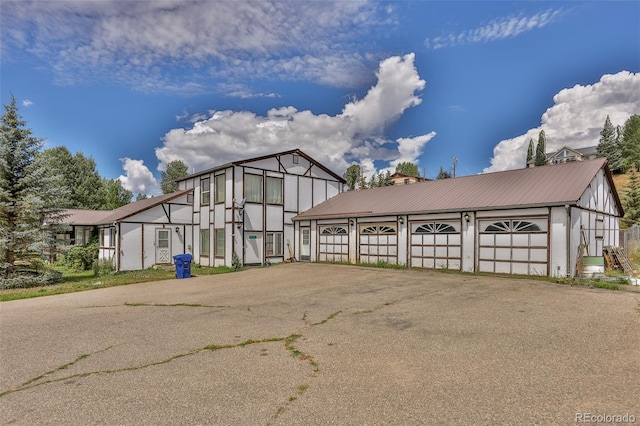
{"x": 436, "y": 245}
{"x": 514, "y": 246}
{"x": 333, "y": 244}
{"x": 378, "y": 243}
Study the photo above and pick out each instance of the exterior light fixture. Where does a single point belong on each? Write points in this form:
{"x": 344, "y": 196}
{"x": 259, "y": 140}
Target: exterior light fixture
{"x": 467, "y": 217}
{"x": 177, "y": 229}
{"x": 401, "y": 221}
{"x": 351, "y": 222}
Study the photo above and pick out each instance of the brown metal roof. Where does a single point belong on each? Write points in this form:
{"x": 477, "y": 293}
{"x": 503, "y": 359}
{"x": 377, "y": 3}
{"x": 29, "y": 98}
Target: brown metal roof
{"x": 84, "y": 217}
{"x": 100, "y": 217}
{"x": 533, "y": 187}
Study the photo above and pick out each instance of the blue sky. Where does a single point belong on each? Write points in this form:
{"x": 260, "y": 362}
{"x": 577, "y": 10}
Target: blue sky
{"x": 137, "y": 84}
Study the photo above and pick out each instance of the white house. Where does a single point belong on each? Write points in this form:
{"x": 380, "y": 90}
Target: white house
{"x": 530, "y": 221}
{"x": 140, "y": 234}
{"x": 245, "y": 208}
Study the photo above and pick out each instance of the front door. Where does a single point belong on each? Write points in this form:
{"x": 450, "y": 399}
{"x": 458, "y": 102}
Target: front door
{"x": 163, "y": 246}
{"x": 305, "y": 244}
{"x": 253, "y": 248}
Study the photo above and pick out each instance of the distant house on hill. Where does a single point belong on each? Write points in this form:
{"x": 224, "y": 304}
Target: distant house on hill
{"x": 403, "y": 179}
{"x": 568, "y": 155}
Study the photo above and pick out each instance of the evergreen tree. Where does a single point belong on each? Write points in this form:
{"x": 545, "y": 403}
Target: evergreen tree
{"x": 385, "y": 179}
{"x": 407, "y": 168}
{"x": 631, "y": 201}
{"x": 352, "y": 176}
{"x": 530, "y": 152}
{"x": 443, "y": 174}
{"x": 631, "y": 143}
{"x": 30, "y": 194}
{"x": 541, "y": 149}
{"x": 114, "y": 195}
{"x": 141, "y": 197}
{"x": 373, "y": 181}
{"x": 608, "y": 146}
{"x": 175, "y": 170}
{"x": 79, "y": 175}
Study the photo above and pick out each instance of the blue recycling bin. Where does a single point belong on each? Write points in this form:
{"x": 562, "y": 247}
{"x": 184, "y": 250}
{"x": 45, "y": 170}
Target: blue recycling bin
{"x": 183, "y": 265}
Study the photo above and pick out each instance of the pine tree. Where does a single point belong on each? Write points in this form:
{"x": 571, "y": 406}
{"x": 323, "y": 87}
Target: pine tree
{"x": 631, "y": 201}
{"x": 443, "y": 174}
{"x": 175, "y": 170}
{"x": 541, "y": 150}
{"x": 30, "y": 194}
{"x": 79, "y": 175}
{"x": 352, "y": 176}
{"x": 530, "y": 153}
{"x": 608, "y": 146}
{"x": 631, "y": 143}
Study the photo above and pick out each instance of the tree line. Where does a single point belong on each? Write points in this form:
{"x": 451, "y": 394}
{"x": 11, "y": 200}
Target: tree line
{"x": 38, "y": 185}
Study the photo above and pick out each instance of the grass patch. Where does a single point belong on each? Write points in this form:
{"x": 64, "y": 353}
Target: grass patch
{"x": 86, "y": 280}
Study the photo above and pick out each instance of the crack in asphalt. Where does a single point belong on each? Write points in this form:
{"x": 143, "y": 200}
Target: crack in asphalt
{"x": 289, "y": 346}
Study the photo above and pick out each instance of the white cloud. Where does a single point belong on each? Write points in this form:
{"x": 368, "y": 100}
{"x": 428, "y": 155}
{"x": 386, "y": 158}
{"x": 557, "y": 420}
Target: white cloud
{"x": 27, "y": 103}
{"x": 576, "y": 118}
{"x": 178, "y": 46}
{"x": 507, "y": 27}
{"x": 354, "y": 134}
{"x": 138, "y": 178}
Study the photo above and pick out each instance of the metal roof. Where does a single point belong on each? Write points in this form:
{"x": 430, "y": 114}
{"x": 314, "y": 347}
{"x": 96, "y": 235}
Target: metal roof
{"x": 101, "y": 217}
{"x": 84, "y": 217}
{"x": 277, "y": 154}
{"x": 560, "y": 184}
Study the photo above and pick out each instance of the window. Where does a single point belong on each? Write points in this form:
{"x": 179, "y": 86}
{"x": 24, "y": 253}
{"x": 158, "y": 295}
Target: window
{"x": 107, "y": 237}
{"x": 204, "y": 242}
{"x": 205, "y": 189}
{"x": 435, "y": 228}
{"x": 334, "y": 230}
{"x": 220, "y": 184}
{"x": 274, "y": 244}
{"x": 219, "y": 234}
{"x": 295, "y": 159}
{"x": 513, "y": 226}
{"x": 274, "y": 190}
{"x": 253, "y": 188}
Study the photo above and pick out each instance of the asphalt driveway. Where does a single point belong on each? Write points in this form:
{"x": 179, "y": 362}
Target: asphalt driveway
{"x": 322, "y": 344}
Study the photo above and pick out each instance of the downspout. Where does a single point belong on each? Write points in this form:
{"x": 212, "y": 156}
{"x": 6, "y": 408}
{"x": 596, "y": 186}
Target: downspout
{"x": 569, "y": 241}
{"x": 119, "y": 245}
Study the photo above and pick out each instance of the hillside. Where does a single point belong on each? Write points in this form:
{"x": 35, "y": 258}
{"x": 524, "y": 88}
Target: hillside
{"x": 621, "y": 182}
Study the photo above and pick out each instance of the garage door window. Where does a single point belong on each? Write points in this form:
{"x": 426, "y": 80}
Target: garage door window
{"x": 513, "y": 226}
{"x": 436, "y": 245}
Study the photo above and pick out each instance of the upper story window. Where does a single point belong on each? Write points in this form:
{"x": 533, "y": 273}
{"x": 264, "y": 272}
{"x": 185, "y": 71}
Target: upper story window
{"x": 220, "y": 187}
{"x": 253, "y": 188}
{"x": 296, "y": 159}
{"x": 274, "y": 190}
{"x": 205, "y": 191}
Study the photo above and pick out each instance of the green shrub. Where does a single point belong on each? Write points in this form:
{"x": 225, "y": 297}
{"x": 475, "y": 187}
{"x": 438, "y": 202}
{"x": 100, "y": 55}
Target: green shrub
{"x": 28, "y": 280}
{"x": 81, "y": 258}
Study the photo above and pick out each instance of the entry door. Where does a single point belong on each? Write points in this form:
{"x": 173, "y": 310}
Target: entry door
{"x": 163, "y": 246}
{"x": 253, "y": 248}
{"x": 305, "y": 244}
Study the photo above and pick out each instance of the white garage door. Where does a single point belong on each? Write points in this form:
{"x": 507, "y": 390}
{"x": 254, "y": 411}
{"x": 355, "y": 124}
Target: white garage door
{"x": 378, "y": 243}
{"x": 333, "y": 244}
{"x": 436, "y": 245}
{"x": 514, "y": 246}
